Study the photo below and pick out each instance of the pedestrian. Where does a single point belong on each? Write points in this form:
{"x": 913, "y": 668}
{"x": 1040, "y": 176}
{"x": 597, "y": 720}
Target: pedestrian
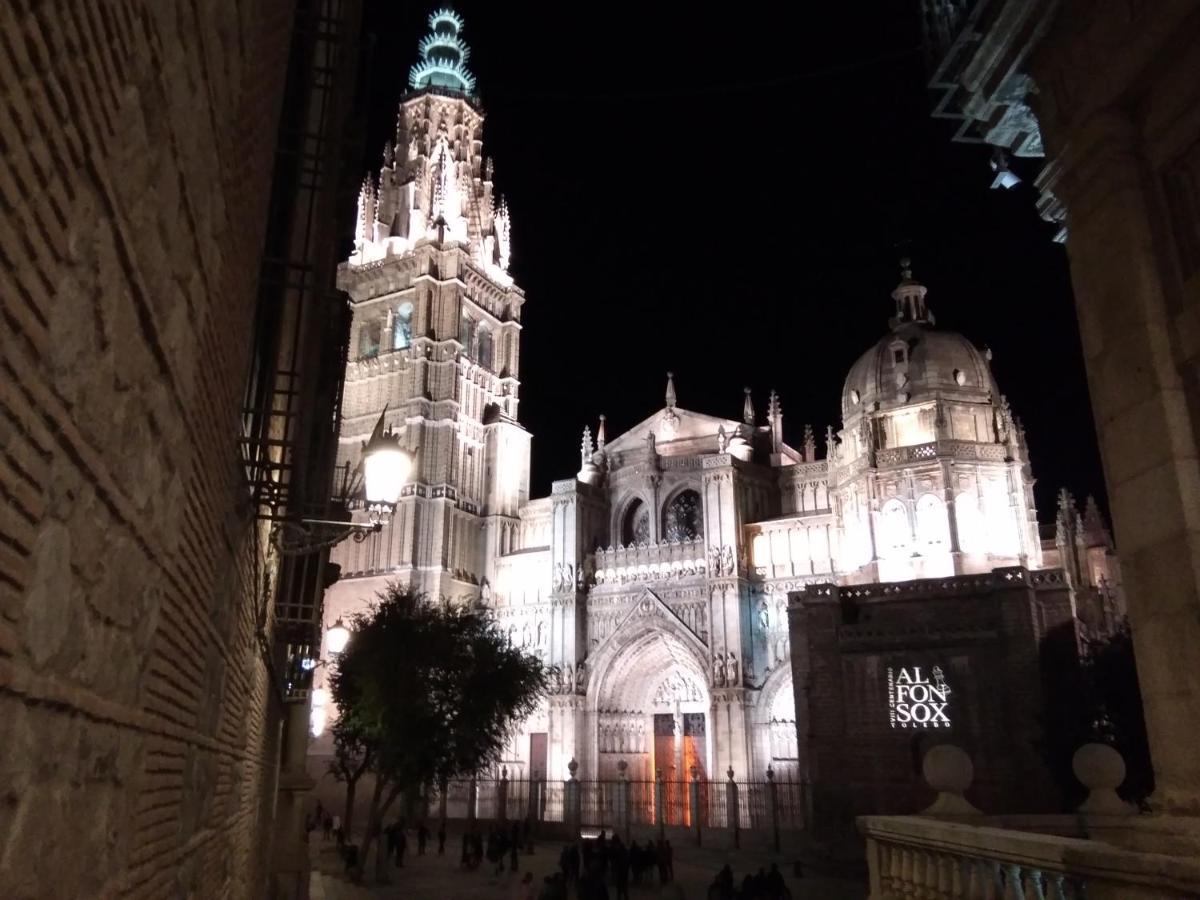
{"x": 476, "y": 849}
{"x": 525, "y": 888}
{"x": 777, "y": 888}
{"x": 441, "y": 836}
{"x": 660, "y": 853}
{"x": 327, "y": 826}
{"x": 618, "y": 862}
{"x": 401, "y": 843}
{"x": 514, "y": 847}
{"x": 669, "y": 861}
{"x": 465, "y": 860}
{"x": 422, "y": 837}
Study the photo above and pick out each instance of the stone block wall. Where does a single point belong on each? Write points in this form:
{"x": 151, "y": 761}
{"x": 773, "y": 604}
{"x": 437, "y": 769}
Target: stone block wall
{"x": 139, "y": 735}
{"x": 985, "y": 633}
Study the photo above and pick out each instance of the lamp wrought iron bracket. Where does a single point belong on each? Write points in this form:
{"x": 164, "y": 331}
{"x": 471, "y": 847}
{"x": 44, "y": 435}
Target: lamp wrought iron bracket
{"x": 300, "y": 536}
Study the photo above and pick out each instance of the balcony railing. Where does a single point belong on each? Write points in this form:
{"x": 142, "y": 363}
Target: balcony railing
{"x": 651, "y": 562}
{"x": 971, "y": 450}
{"x": 911, "y": 857}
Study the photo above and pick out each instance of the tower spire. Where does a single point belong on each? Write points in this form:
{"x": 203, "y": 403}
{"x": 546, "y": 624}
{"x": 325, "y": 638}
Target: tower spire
{"x": 748, "y": 409}
{"x": 670, "y": 398}
{"x": 444, "y": 56}
{"x": 600, "y": 437}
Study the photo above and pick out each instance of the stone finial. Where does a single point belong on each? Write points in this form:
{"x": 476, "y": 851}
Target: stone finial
{"x": 748, "y": 408}
{"x": 770, "y": 773}
{"x": 729, "y": 772}
{"x": 622, "y": 767}
{"x": 504, "y": 773}
{"x": 810, "y": 444}
{"x": 949, "y": 771}
{"x": 670, "y": 397}
{"x": 1101, "y": 770}
{"x": 775, "y": 418}
{"x": 586, "y": 449}
{"x": 572, "y": 768}
{"x": 695, "y": 773}
{"x": 601, "y": 438}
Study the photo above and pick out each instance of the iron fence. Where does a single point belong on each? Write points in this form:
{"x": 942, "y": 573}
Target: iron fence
{"x": 759, "y": 805}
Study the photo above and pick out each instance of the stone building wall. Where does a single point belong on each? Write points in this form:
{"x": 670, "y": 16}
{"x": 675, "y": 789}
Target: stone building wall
{"x": 139, "y": 735}
{"x": 1119, "y": 110}
{"x": 984, "y": 632}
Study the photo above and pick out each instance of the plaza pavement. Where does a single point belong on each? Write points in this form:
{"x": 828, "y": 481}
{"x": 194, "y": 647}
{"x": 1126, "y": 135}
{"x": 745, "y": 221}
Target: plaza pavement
{"x": 431, "y": 877}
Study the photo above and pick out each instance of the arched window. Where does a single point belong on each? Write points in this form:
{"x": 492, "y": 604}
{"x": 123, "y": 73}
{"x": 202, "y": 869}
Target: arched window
{"x": 368, "y": 339}
{"x": 483, "y": 347}
{"x": 971, "y": 537}
{"x": 1002, "y": 536}
{"x": 895, "y": 535}
{"x": 933, "y": 532}
{"x": 402, "y": 326}
{"x": 635, "y": 529}
{"x": 682, "y": 520}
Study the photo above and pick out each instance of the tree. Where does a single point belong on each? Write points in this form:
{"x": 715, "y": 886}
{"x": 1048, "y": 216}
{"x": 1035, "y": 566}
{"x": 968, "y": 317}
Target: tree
{"x": 424, "y": 693}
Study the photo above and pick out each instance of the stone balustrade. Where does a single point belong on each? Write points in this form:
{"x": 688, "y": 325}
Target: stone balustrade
{"x": 970, "y": 450}
{"x": 650, "y": 562}
{"x": 915, "y": 858}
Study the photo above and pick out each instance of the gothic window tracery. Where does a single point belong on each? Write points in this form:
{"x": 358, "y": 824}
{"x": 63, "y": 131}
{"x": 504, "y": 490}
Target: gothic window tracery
{"x": 682, "y": 520}
{"x": 368, "y": 339}
{"x": 636, "y": 527}
{"x": 484, "y": 347}
{"x": 402, "y": 327}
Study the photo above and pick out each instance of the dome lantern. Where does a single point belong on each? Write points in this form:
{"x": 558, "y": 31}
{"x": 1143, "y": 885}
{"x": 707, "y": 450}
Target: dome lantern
{"x": 910, "y": 299}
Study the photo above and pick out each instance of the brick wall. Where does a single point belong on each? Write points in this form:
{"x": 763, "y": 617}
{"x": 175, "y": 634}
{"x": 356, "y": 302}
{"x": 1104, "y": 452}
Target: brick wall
{"x": 139, "y": 736}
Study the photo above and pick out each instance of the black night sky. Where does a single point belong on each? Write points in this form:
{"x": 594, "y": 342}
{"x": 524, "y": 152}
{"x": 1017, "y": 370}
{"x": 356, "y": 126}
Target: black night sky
{"x": 722, "y": 194}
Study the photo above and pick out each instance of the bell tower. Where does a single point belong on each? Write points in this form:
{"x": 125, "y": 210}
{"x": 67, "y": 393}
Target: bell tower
{"x": 436, "y": 333}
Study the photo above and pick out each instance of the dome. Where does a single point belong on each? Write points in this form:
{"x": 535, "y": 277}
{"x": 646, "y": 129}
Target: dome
{"x": 915, "y": 361}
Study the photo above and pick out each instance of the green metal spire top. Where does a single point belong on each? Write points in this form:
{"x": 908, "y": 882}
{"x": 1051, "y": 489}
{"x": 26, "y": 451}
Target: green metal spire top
{"x": 443, "y": 56}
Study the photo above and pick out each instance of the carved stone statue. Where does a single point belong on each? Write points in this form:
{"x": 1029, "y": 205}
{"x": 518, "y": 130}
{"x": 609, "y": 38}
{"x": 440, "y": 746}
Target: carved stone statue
{"x": 718, "y": 673}
{"x": 764, "y": 619}
{"x": 727, "y": 566}
{"x": 722, "y": 439}
{"x": 568, "y": 678}
{"x": 555, "y": 679}
{"x": 731, "y": 671}
{"x": 714, "y": 560}
{"x": 581, "y": 677}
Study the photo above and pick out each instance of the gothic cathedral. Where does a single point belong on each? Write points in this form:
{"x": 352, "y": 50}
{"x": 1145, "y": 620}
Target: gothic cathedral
{"x": 653, "y": 583}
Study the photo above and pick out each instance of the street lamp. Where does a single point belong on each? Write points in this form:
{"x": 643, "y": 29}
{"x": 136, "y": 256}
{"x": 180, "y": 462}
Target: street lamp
{"x": 384, "y": 470}
{"x": 337, "y": 637}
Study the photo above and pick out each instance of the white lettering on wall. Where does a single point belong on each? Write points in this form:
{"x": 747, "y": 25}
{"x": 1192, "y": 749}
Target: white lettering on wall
{"x": 916, "y": 700}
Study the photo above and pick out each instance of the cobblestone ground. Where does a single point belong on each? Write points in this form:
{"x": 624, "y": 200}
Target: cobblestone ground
{"x": 431, "y": 877}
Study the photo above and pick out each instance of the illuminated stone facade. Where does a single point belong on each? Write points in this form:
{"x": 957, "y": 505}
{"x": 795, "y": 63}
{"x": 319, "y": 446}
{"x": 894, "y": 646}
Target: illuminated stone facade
{"x": 653, "y": 583}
